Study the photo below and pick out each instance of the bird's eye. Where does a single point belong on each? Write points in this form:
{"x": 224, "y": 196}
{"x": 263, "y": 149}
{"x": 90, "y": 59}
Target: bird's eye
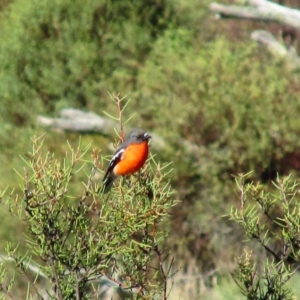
{"x": 138, "y": 136}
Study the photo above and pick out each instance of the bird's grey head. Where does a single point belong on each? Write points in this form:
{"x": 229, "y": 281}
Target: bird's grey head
{"x": 139, "y": 135}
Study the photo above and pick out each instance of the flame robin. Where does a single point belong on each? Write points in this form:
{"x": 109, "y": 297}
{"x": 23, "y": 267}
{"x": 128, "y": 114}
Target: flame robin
{"x": 129, "y": 157}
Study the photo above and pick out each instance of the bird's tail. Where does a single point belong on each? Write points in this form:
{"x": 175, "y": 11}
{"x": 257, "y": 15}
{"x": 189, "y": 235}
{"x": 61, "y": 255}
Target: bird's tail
{"x": 107, "y": 183}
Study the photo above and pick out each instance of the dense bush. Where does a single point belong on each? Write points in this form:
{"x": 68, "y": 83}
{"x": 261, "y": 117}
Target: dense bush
{"x": 273, "y": 221}
{"x": 222, "y": 107}
{"x": 77, "y": 242}
{"x": 222, "y": 97}
{"x": 60, "y": 53}
{"x": 241, "y": 114}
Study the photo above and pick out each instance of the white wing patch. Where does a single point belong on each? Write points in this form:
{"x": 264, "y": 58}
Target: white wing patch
{"x": 116, "y": 158}
{"x": 113, "y": 162}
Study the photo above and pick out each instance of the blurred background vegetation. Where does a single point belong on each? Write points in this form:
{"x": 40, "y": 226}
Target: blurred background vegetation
{"x": 189, "y": 77}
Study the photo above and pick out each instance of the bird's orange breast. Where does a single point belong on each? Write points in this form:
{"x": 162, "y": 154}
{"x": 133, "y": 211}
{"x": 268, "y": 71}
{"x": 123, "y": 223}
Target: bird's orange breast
{"x": 133, "y": 159}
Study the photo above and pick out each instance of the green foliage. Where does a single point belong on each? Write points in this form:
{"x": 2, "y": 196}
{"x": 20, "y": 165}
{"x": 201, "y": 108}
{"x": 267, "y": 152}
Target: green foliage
{"x": 215, "y": 110}
{"x": 76, "y": 241}
{"x": 4, "y": 3}
{"x": 63, "y": 53}
{"x": 273, "y": 220}
{"x": 222, "y": 107}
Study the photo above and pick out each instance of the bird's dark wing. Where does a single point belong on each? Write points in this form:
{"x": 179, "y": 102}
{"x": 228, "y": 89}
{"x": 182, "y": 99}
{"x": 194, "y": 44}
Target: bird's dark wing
{"x": 114, "y": 161}
{"x": 109, "y": 176}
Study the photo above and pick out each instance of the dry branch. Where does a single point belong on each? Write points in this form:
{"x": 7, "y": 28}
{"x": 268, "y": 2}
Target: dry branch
{"x": 260, "y": 10}
{"x": 75, "y": 120}
{"x": 78, "y": 121}
{"x": 263, "y": 10}
{"x": 276, "y": 47}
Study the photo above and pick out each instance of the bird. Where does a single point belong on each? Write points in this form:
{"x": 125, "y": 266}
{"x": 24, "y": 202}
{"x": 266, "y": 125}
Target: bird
{"x": 129, "y": 158}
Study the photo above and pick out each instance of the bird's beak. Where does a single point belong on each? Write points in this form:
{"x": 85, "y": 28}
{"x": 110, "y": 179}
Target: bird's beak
{"x": 147, "y": 136}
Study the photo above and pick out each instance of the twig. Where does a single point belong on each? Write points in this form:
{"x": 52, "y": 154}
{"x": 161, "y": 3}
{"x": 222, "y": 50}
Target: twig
{"x": 119, "y": 105}
{"x": 6, "y": 292}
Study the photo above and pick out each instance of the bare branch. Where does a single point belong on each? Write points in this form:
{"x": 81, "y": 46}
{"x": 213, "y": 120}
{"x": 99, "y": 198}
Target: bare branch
{"x": 76, "y": 120}
{"x": 276, "y": 48}
{"x": 260, "y": 10}
{"x": 72, "y": 119}
{"x": 267, "y": 11}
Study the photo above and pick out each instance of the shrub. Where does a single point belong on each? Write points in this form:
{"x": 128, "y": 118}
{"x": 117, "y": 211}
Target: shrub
{"x": 236, "y": 108}
{"x": 63, "y": 53}
{"x": 77, "y": 241}
{"x": 272, "y": 219}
